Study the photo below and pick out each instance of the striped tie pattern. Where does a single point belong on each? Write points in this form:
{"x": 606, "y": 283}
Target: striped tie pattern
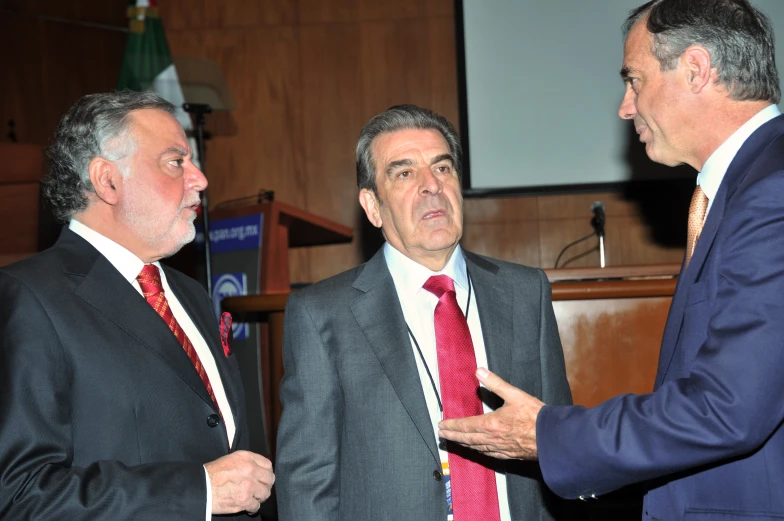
{"x": 150, "y": 281}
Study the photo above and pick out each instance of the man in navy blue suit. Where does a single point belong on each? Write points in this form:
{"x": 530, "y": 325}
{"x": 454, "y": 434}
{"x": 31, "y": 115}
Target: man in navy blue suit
{"x": 708, "y": 442}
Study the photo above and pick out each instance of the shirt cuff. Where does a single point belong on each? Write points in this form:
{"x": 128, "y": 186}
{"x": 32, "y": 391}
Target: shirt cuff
{"x": 208, "y": 516}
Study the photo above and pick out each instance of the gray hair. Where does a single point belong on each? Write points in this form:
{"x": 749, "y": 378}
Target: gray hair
{"x": 738, "y": 37}
{"x": 401, "y": 117}
{"x": 97, "y": 125}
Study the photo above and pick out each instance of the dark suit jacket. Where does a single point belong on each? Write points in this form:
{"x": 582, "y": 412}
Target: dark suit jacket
{"x": 712, "y": 430}
{"x": 102, "y": 415}
{"x": 355, "y": 440}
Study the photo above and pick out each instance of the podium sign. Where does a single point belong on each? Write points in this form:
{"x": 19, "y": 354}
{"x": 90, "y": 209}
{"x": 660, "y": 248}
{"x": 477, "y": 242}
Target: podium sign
{"x": 236, "y": 245}
{"x": 260, "y": 265}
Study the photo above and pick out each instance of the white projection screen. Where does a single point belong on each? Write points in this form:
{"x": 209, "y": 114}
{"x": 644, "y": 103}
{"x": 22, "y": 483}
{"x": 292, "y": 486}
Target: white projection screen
{"x": 541, "y": 92}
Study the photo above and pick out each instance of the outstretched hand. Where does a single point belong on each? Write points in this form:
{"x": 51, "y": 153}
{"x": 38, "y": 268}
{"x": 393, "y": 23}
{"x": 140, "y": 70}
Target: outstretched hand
{"x": 508, "y": 432}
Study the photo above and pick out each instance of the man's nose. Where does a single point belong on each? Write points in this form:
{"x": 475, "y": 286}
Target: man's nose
{"x": 429, "y": 182}
{"x": 627, "y": 109}
{"x": 196, "y": 179}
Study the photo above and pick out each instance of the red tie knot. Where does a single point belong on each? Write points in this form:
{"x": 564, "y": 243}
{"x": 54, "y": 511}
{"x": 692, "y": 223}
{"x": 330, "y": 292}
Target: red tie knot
{"x": 150, "y": 280}
{"x": 439, "y": 284}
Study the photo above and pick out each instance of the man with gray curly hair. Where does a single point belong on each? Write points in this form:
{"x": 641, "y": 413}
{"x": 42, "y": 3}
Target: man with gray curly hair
{"x": 119, "y": 401}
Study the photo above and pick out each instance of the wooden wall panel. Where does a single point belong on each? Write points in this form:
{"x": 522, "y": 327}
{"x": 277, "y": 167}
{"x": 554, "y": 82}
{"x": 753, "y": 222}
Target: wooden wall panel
{"x": 21, "y": 87}
{"x": 566, "y": 218}
{"x": 19, "y": 215}
{"x": 412, "y": 9}
{"x": 226, "y": 14}
{"x": 307, "y": 75}
{"x": 263, "y": 148}
{"x": 409, "y": 61}
{"x": 77, "y": 66}
{"x": 326, "y": 11}
{"x": 48, "y": 64}
{"x": 331, "y": 93}
{"x": 20, "y": 163}
{"x": 514, "y": 242}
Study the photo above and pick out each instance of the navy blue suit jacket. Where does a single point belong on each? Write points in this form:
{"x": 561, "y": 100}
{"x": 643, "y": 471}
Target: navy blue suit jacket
{"x": 708, "y": 441}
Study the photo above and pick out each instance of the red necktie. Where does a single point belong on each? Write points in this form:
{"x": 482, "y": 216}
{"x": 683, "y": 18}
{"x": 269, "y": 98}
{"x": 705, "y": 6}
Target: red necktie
{"x": 474, "y": 494}
{"x": 150, "y": 281}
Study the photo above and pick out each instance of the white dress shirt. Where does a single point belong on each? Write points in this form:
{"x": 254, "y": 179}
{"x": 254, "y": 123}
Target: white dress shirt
{"x": 719, "y": 161}
{"x": 418, "y": 310}
{"x": 129, "y": 266}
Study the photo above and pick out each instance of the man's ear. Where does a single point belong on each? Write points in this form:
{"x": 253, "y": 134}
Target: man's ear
{"x": 370, "y": 204}
{"x": 105, "y": 178}
{"x": 697, "y": 62}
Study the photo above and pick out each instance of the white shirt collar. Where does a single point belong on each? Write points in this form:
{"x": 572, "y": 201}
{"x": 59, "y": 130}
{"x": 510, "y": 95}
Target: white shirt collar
{"x": 128, "y": 264}
{"x": 719, "y": 161}
{"x": 410, "y": 276}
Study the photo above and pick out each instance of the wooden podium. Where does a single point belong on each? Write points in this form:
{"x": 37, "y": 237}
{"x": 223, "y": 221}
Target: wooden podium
{"x": 611, "y": 322}
{"x": 283, "y": 227}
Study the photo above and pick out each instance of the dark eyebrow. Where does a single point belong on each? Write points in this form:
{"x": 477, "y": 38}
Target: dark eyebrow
{"x": 625, "y": 72}
{"x": 443, "y": 157}
{"x": 397, "y": 164}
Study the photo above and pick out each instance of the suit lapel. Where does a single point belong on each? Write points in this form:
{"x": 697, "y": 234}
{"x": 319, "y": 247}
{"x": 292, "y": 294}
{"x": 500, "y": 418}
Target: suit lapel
{"x": 207, "y": 325}
{"x": 379, "y": 315}
{"x": 99, "y": 284}
{"x": 495, "y": 305}
{"x": 737, "y": 170}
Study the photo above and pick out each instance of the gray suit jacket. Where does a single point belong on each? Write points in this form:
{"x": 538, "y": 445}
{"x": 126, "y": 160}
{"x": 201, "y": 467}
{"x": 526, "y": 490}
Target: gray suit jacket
{"x": 355, "y": 440}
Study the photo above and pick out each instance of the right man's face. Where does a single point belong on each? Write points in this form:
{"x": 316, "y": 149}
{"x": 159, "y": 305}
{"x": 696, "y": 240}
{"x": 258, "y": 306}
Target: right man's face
{"x": 652, "y": 100}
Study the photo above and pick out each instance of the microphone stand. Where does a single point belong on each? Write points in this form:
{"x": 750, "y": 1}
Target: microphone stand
{"x": 601, "y": 250}
{"x": 598, "y": 225}
{"x": 199, "y": 110}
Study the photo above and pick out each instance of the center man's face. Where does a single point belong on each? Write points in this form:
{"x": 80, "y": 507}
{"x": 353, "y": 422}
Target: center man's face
{"x": 419, "y": 206}
{"x": 160, "y": 194}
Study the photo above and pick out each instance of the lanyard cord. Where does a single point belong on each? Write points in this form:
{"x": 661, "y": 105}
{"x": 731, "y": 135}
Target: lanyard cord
{"x": 422, "y": 357}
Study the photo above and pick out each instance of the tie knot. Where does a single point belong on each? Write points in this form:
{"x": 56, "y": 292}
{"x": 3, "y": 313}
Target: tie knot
{"x": 439, "y": 284}
{"x": 150, "y": 280}
{"x": 699, "y": 202}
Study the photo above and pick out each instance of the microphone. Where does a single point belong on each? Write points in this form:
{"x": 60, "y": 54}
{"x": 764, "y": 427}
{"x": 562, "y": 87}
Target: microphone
{"x": 597, "y": 208}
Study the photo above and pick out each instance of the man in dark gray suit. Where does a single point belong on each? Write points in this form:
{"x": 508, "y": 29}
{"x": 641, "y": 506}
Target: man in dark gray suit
{"x": 117, "y": 400}
{"x": 371, "y": 360}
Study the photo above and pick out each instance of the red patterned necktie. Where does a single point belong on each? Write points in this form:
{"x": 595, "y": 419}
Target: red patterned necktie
{"x": 474, "y": 493}
{"x": 150, "y": 281}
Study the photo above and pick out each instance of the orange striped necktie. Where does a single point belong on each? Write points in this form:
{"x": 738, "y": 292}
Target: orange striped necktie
{"x": 697, "y": 211}
{"x": 150, "y": 281}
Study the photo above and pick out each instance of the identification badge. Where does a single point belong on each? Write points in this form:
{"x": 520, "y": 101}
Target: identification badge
{"x": 448, "y": 484}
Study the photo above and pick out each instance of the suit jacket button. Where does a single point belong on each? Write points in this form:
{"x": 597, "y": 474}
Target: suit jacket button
{"x": 213, "y": 420}
{"x": 437, "y": 475}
